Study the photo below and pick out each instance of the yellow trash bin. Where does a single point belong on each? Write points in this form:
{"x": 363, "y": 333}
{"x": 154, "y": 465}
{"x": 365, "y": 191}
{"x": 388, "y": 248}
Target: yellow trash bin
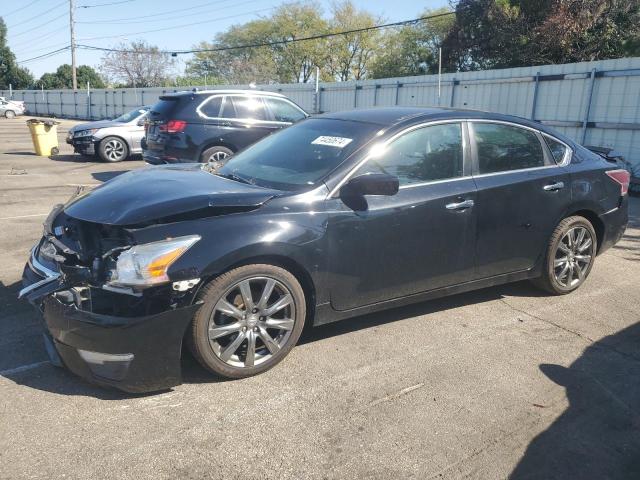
{"x": 44, "y": 134}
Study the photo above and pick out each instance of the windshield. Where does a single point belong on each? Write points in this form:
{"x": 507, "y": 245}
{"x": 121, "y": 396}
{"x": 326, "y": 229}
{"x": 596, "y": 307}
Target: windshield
{"x": 132, "y": 115}
{"x": 300, "y": 156}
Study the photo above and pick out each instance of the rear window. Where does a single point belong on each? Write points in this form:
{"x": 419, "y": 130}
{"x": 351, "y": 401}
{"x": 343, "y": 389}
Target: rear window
{"x": 165, "y": 107}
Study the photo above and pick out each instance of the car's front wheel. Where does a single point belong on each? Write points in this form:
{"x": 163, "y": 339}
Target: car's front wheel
{"x": 113, "y": 149}
{"x": 251, "y": 318}
{"x": 9, "y": 114}
{"x": 569, "y": 257}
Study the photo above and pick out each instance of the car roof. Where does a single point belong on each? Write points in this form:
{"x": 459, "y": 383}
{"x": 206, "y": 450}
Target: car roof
{"x": 225, "y": 91}
{"x": 402, "y": 116}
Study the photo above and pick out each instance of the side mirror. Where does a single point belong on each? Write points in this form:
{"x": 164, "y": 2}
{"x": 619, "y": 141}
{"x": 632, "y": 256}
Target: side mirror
{"x": 371, "y": 184}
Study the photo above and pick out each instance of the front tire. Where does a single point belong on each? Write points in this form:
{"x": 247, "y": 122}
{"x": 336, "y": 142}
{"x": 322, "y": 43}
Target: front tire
{"x": 9, "y": 114}
{"x": 569, "y": 256}
{"x": 251, "y": 318}
{"x": 113, "y": 149}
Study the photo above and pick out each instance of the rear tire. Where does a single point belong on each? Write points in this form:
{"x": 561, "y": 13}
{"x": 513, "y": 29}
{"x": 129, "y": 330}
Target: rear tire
{"x": 251, "y": 318}
{"x": 9, "y": 114}
{"x": 113, "y": 149}
{"x": 216, "y": 156}
{"x": 569, "y": 256}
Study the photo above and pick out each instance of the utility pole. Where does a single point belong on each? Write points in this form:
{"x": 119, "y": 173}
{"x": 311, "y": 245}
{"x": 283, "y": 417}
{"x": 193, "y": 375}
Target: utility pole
{"x": 72, "y": 22}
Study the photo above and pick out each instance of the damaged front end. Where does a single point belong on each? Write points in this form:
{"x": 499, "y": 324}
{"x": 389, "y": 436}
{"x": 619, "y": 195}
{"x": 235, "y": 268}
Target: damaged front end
{"x": 111, "y": 313}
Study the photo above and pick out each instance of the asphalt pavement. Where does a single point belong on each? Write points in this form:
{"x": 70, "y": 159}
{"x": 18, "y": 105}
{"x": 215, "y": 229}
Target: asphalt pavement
{"x": 497, "y": 383}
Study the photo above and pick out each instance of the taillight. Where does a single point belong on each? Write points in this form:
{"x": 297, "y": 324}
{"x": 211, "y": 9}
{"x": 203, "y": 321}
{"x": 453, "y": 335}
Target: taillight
{"x": 173, "y": 126}
{"x": 622, "y": 177}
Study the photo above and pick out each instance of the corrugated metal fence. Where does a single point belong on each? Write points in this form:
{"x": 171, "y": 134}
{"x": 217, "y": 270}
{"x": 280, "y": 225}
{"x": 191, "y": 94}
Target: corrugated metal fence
{"x": 595, "y": 103}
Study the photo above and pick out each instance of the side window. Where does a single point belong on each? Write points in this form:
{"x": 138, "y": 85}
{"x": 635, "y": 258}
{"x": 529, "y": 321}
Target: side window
{"x": 502, "y": 148}
{"x": 283, "y": 111}
{"x": 558, "y": 150}
{"x": 211, "y": 107}
{"x": 422, "y": 155}
{"x": 248, "y": 107}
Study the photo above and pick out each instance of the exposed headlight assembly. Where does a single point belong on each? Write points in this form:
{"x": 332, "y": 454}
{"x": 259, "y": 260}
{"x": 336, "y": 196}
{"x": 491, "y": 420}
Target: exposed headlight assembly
{"x": 147, "y": 264}
{"x": 85, "y": 133}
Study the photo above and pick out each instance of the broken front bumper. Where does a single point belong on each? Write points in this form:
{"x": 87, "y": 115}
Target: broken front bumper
{"x": 134, "y": 354}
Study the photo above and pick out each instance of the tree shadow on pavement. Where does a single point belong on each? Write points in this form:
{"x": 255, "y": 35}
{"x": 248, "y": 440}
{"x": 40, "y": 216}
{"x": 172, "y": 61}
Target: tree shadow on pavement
{"x": 598, "y": 436}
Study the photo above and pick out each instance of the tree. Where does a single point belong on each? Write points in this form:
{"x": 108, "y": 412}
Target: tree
{"x": 512, "y": 33}
{"x": 350, "y": 55}
{"x": 283, "y": 62}
{"x": 138, "y": 64}
{"x": 62, "y": 78}
{"x": 10, "y": 72}
{"x": 413, "y": 49}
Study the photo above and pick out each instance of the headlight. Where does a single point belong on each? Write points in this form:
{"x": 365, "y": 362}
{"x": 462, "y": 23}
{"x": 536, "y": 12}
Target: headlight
{"x": 85, "y": 133}
{"x": 147, "y": 264}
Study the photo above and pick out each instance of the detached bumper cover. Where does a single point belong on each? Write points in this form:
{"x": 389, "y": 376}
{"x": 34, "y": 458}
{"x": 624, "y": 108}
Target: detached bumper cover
{"x": 145, "y": 351}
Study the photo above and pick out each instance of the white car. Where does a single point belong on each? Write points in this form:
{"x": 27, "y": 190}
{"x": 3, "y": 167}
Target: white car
{"x": 11, "y": 108}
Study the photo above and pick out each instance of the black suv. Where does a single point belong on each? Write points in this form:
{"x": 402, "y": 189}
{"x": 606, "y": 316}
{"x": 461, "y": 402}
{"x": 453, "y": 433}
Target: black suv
{"x": 209, "y": 126}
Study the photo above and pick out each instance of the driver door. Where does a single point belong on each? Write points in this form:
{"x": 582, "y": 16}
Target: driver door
{"x": 420, "y": 239}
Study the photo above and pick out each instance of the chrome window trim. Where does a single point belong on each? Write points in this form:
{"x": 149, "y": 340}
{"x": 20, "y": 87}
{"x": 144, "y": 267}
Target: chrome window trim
{"x": 391, "y": 139}
{"x": 431, "y": 182}
{"x": 244, "y": 120}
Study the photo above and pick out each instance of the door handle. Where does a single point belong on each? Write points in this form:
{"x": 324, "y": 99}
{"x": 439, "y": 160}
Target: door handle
{"x": 553, "y": 187}
{"x": 460, "y": 205}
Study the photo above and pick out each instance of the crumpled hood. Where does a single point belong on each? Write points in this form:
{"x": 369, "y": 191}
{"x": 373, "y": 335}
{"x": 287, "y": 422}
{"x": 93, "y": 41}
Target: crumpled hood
{"x": 98, "y": 124}
{"x": 152, "y": 193}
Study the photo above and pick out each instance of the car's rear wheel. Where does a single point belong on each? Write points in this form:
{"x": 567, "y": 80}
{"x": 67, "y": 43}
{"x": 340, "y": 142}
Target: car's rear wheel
{"x": 9, "y": 114}
{"x": 216, "y": 156}
{"x": 113, "y": 149}
{"x": 251, "y": 318}
{"x": 569, "y": 257}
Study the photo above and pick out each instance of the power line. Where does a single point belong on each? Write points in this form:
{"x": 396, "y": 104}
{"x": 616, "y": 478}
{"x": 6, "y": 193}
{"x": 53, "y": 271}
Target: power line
{"x": 45, "y": 55}
{"x": 105, "y": 4}
{"x": 38, "y": 26}
{"x": 277, "y": 42}
{"x": 180, "y": 26}
{"x": 167, "y": 12}
{"x": 37, "y": 16}
{"x": 171, "y": 19}
{"x": 24, "y": 7}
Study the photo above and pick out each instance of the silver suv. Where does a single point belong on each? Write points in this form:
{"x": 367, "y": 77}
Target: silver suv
{"x": 112, "y": 140}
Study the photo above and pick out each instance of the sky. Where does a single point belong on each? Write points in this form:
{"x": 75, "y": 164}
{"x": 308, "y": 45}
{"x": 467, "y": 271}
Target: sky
{"x": 37, "y": 27}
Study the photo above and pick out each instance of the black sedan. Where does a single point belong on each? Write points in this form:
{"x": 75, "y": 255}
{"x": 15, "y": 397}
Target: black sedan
{"x": 336, "y": 216}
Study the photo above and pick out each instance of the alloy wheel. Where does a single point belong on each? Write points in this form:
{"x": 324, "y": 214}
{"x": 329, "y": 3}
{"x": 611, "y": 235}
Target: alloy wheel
{"x": 252, "y": 321}
{"x": 218, "y": 157}
{"x": 114, "y": 150}
{"x": 573, "y": 257}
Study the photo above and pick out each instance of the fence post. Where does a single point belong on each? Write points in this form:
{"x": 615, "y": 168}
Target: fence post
{"x": 142, "y": 98}
{"x": 75, "y": 104}
{"x": 35, "y": 101}
{"x": 355, "y": 95}
{"x": 397, "y": 92}
{"x": 48, "y": 111}
{"x": 375, "y": 95}
{"x": 535, "y": 96}
{"x": 61, "y": 104}
{"x": 454, "y": 82}
{"x": 587, "y": 110}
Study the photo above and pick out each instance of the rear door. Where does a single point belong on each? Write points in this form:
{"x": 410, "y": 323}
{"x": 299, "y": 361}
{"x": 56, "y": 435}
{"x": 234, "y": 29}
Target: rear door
{"x": 522, "y": 194}
{"x": 243, "y": 120}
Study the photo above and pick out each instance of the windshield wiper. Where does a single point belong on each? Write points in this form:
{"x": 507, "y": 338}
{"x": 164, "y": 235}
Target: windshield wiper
{"x": 233, "y": 176}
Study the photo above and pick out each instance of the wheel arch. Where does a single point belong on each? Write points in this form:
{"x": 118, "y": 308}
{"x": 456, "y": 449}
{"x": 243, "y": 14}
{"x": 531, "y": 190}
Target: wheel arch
{"x": 595, "y": 220}
{"x": 287, "y": 263}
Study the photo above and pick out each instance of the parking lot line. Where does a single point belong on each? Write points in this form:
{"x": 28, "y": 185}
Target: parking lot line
{"x": 23, "y": 368}
{"x": 25, "y": 216}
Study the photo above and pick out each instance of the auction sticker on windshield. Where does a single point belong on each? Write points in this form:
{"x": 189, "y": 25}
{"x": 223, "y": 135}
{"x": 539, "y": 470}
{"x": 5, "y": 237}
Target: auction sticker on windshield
{"x": 339, "y": 142}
